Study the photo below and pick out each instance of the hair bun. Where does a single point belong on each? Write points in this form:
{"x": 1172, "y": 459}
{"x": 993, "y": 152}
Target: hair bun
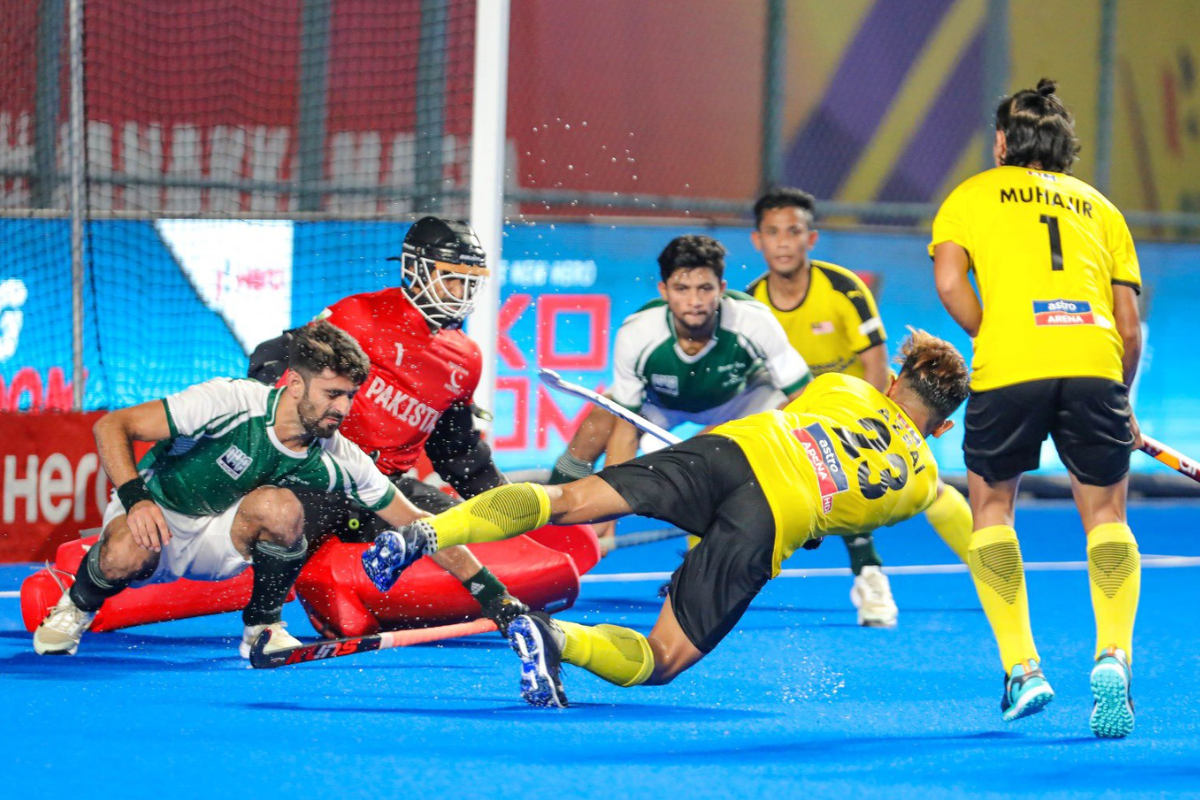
{"x": 1046, "y": 87}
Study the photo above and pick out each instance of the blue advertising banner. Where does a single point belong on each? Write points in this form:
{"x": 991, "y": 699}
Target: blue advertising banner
{"x": 171, "y": 303}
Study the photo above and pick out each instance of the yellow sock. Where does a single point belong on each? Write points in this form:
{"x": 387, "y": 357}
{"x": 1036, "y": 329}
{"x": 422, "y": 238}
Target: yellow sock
{"x": 499, "y": 513}
{"x": 618, "y": 655}
{"x": 950, "y": 516}
{"x": 1115, "y": 573}
{"x": 995, "y": 561}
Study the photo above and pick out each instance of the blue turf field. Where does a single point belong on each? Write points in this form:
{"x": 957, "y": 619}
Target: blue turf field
{"x": 798, "y": 699}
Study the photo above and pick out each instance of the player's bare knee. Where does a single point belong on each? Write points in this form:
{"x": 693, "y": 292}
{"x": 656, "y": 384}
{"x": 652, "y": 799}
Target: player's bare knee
{"x": 121, "y": 558}
{"x": 276, "y": 513}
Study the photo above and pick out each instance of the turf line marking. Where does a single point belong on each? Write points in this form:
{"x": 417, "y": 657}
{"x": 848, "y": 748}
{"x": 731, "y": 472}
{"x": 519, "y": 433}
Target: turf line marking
{"x": 10, "y": 594}
{"x": 1148, "y": 562}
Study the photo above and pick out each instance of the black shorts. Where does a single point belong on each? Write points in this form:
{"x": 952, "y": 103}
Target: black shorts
{"x": 705, "y": 486}
{"x": 1089, "y": 419}
{"x": 333, "y": 513}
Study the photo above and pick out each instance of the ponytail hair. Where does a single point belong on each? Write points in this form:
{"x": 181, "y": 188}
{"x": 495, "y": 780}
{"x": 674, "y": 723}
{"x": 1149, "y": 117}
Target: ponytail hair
{"x": 1038, "y": 129}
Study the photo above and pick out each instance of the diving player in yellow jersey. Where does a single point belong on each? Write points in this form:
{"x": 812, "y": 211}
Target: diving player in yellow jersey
{"x": 831, "y": 319}
{"x": 1057, "y": 343}
{"x": 843, "y": 457}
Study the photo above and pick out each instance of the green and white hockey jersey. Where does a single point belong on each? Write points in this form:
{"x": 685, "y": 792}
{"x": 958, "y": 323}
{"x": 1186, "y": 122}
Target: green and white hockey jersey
{"x": 223, "y": 446}
{"x": 649, "y": 366}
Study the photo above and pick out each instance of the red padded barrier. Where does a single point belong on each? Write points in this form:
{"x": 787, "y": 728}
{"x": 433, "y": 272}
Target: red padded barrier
{"x": 342, "y": 601}
{"x": 158, "y": 603}
{"x": 541, "y": 568}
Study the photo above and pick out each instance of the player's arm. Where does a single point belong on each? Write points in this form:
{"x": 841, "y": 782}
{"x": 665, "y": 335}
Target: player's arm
{"x": 115, "y": 434}
{"x": 951, "y": 265}
{"x": 458, "y": 453}
{"x": 1129, "y": 326}
{"x": 875, "y": 366}
{"x": 400, "y": 511}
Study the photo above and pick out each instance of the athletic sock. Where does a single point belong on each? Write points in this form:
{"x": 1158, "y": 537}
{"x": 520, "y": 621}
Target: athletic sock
{"x": 499, "y": 513}
{"x": 569, "y": 468}
{"x": 618, "y": 655}
{"x": 862, "y": 552}
{"x": 1115, "y": 575}
{"x": 950, "y": 516}
{"x": 999, "y": 574}
{"x": 484, "y": 586}
{"x": 91, "y": 588}
{"x": 275, "y": 570}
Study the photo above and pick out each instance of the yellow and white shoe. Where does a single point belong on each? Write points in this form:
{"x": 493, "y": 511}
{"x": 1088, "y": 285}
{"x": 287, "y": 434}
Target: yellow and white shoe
{"x": 872, "y": 596}
{"x": 280, "y": 638}
{"x": 61, "y": 630}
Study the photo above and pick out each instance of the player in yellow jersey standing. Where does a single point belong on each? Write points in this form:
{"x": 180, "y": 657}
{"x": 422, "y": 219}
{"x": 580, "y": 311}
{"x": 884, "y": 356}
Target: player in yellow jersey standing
{"x": 1057, "y": 342}
{"x": 831, "y": 319}
{"x": 841, "y": 458}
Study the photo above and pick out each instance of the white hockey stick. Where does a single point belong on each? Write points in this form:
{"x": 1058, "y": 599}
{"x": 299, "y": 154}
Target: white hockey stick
{"x": 555, "y": 381}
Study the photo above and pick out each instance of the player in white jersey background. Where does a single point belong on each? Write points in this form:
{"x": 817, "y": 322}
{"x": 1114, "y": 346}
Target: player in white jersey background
{"x": 700, "y": 353}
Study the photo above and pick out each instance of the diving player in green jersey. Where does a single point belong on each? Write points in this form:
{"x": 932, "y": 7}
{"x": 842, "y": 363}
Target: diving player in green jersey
{"x": 214, "y": 495}
{"x": 699, "y": 354}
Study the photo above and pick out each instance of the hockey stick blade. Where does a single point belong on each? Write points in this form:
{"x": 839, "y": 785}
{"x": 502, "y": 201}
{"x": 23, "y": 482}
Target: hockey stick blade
{"x": 1174, "y": 459}
{"x": 336, "y": 648}
{"x": 556, "y": 382}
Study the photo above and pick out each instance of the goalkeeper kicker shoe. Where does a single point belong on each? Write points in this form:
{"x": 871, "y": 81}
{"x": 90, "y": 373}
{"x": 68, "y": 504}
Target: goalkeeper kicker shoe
{"x": 280, "y": 638}
{"x": 394, "y": 551}
{"x": 1112, "y": 713}
{"x": 538, "y": 642}
{"x": 1026, "y": 691}
{"x": 872, "y": 596}
{"x": 61, "y": 630}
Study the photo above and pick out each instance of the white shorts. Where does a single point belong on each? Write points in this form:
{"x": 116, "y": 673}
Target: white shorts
{"x": 201, "y": 548}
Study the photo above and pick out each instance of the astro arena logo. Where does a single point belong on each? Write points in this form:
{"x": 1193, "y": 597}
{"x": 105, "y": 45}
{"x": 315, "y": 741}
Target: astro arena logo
{"x": 831, "y": 476}
{"x": 1063, "y": 312}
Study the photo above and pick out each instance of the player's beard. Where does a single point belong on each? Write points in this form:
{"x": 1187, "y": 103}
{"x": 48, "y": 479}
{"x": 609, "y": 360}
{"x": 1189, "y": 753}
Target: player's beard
{"x": 314, "y": 420}
{"x": 701, "y": 329}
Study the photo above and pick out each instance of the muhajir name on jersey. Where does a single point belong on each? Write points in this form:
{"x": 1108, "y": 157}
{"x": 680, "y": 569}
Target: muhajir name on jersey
{"x": 831, "y": 477}
{"x": 1063, "y": 312}
{"x": 1047, "y": 197}
{"x": 407, "y": 409}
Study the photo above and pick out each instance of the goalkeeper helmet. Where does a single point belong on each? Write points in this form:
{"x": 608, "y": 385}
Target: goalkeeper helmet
{"x": 443, "y": 268}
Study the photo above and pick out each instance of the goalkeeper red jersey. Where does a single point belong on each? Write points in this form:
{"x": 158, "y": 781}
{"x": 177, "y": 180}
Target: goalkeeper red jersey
{"x": 416, "y": 375}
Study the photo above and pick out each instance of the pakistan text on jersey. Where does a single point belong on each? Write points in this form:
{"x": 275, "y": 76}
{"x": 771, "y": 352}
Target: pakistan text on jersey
{"x": 1050, "y": 198}
{"x": 404, "y": 408}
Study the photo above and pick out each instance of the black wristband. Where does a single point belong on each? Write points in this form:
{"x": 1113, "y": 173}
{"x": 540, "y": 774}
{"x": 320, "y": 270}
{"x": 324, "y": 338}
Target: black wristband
{"x": 133, "y": 492}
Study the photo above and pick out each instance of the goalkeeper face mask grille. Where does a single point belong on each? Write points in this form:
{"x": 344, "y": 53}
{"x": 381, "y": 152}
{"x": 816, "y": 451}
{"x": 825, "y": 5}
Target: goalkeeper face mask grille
{"x": 444, "y": 292}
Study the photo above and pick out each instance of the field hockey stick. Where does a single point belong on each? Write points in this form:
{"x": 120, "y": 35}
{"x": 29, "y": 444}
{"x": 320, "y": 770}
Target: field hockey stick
{"x": 336, "y": 648}
{"x": 556, "y": 382}
{"x": 1171, "y": 457}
